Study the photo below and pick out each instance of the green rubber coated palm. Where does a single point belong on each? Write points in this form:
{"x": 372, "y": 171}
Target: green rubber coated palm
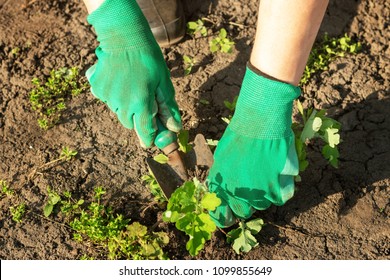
{"x": 255, "y": 160}
{"x": 131, "y": 75}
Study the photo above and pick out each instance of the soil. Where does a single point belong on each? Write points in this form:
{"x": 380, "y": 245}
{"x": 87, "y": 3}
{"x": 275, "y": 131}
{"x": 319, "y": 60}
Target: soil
{"x": 336, "y": 213}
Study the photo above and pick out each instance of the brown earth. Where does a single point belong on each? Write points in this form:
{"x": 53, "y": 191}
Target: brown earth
{"x": 336, "y": 213}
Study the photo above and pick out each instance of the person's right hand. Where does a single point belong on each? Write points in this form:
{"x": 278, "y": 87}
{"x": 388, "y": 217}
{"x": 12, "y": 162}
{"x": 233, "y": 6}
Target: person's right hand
{"x": 131, "y": 75}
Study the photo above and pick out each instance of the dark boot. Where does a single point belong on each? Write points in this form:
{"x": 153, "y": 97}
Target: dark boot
{"x": 166, "y": 19}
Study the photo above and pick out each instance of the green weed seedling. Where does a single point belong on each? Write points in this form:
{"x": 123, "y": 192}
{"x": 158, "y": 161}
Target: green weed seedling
{"x": 316, "y": 125}
{"x": 242, "y": 238}
{"x": 5, "y": 189}
{"x": 232, "y": 107}
{"x": 221, "y": 43}
{"x": 325, "y": 51}
{"x": 66, "y": 155}
{"x": 154, "y": 187}
{"x": 113, "y": 233}
{"x": 196, "y": 28}
{"x": 188, "y": 62}
{"x": 188, "y": 209}
{"x": 17, "y": 212}
{"x": 48, "y": 98}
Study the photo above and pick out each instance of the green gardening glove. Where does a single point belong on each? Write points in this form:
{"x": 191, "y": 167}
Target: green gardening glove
{"x": 131, "y": 75}
{"x": 255, "y": 161}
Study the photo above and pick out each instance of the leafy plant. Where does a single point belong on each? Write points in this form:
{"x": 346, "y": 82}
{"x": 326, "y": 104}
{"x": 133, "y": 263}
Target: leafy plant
{"x": 316, "y": 125}
{"x": 5, "y": 189}
{"x": 154, "y": 187}
{"x": 17, "y": 212}
{"x": 115, "y": 235}
{"x": 66, "y": 154}
{"x": 325, "y": 51}
{"x": 48, "y": 98}
{"x": 189, "y": 62}
{"x": 53, "y": 199}
{"x": 221, "y": 42}
{"x": 196, "y": 28}
{"x": 188, "y": 209}
{"x": 242, "y": 237}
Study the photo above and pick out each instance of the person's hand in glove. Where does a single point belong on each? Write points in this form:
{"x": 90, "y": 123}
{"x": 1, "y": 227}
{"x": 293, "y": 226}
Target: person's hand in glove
{"x": 255, "y": 161}
{"x": 131, "y": 75}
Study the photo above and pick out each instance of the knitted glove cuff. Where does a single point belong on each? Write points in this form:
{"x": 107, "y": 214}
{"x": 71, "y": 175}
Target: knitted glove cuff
{"x": 120, "y": 24}
{"x": 264, "y": 107}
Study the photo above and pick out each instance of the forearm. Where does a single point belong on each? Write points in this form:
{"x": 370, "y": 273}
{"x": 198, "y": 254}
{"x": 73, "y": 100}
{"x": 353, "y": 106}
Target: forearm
{"x": 92, "y": 4}
{"x": 286, "y": 31}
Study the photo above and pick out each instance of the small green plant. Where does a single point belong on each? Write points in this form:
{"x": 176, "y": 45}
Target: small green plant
{"x": 48, "y": 98}
{"x": 325, "y": 51}
{"x": 243, "y": 237}
{"x": 316, "y": 125}
{"x": 17, "y": 212}
{"x": 188, "y": 209}
{"x": 53, "y": 199}
{"x": 154, "y": 187}
{"x": 5, "y": 189}
{"x": 232, "y": 107}
{"x": 66, "y": 155}
{"x": 113, "y": 233}
{"x": 221, "y": 42}
{"x": 15, "y": 51}
{"x": 189, "y": 63}
{"x": 196, "y": 28}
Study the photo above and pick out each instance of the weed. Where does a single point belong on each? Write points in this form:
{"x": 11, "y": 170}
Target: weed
{"x": 114, "y": 234}
{"x": 15, "y": 51}
{"x": 188, "y": 209}
{"x": 189, "y": 62}
{"x": 65, "y": 155}
{"x": 155, "y": 188}
{"x": 196, "y": 28}
{"x": 5, "y": 190}
{"x": 17, "y": 212}
{"x": 221, "y": 43}
{"x": 242, "y": 237}
{"x": 48, "y": 98}
{"x": 325, "y": 51}
{"x": 316, "y": 125}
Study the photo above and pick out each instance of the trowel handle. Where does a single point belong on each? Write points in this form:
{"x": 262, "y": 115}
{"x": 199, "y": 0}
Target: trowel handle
{"x": 165, "y": 140}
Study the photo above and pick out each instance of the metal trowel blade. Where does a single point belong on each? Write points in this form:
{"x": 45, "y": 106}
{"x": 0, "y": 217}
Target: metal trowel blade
{"x": 169, "y": 178}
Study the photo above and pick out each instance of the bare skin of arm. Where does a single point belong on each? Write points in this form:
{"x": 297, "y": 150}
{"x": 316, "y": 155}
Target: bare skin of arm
{"x": 92, "y": 4}
{"x": 286, "y": 31}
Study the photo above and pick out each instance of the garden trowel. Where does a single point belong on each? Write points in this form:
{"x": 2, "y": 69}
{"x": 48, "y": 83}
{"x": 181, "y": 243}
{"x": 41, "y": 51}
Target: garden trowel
{"x": 173, "y": 174}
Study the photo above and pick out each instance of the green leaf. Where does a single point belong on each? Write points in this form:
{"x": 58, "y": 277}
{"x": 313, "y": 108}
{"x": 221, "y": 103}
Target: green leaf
{"x": 183, "y": 141}
{"x": 255, "y": 225}
{"x": 332, "y": 137}
{"x": 161, "y": 158}
{"x": 210, "y": 201}
{"x": 331, "y": 154}
{"x": 222, "y": 33}
{"x": 47, "y": 209}
{"x": 300, "y": 109}
{"x": 312, "y": 126}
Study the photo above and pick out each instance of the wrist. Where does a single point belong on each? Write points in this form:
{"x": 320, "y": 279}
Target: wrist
{"x": 264, "y": 107}
{"x": 121, "y": 24}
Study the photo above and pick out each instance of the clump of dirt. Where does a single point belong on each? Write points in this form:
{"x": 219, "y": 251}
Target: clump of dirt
{"x": 335, "y": 214}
